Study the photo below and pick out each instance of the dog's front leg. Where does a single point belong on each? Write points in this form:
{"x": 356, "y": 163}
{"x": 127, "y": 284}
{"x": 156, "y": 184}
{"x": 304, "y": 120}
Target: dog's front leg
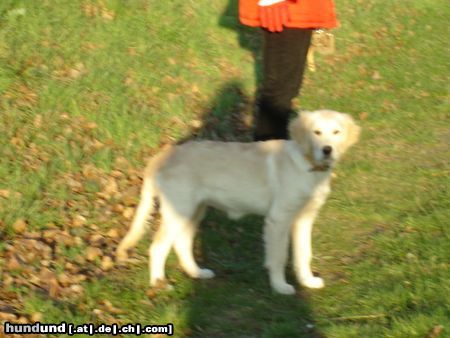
{"x": 301, "y": 244}
{"x": 276, "y": 240}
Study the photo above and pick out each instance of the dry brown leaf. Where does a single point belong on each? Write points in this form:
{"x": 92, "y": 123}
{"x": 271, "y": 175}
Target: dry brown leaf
{"x": 130, "y": 196}
{"x": 91, "y": 125}
{"x": 77, "y": 279}
{"x": 122, "y": 163}
{"x": 13, "y": 264}
{"x": 116, "y": 174}
{"x": 90, "y": 171}
{"x": 36, "y": 317}
{"x": 107, "y": 263}
{"x": 50, "y": 235}
{"x": 111, "y": 188}
{"x": 7, "y": 280}
{"x": 77, "y": 288}
{"x": 64, "y": 279}
{"x": 71, "y": 267}
{"x": 196, "y": 124}
{"x": 376, "y": 75}
{"x": 37, "y": 122}
{"x": 78, "y": 221}
{"x": 128, "y": 213}
{"x": 20, "y": 225}
{"x": 96, "y": 239}
{"x": 53, "y": 288}
{"x": 132, "y": 51}
{"x": 363, "y": 115}
{"x": 436, "y": 331}
{"x": 5, "y": 193}
{"x": 111, "y": 308}
{"x": 97, "y": 145}
{"x": 79, "y": 259}
{"x": 113, "y": 233}
{"x": 118, "y": 208}
{"x": 92, "y": 253}
{"x": 151, "y": 293}
{"x": 108, "y": 15}
{"x": 7, "y": 317}
{"x": 22, "y": 320}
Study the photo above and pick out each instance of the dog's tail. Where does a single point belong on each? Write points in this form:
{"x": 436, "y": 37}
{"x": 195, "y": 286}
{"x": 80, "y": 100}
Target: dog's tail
{"x": 146, "y": 205}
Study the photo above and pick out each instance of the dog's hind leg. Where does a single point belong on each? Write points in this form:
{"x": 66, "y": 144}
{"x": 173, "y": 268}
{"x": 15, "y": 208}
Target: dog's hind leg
{"x": 137, "y": 229}
{"x": 276, "y": 240}
{"x": 184, "y": 243}
{"x": 177, "y": 214}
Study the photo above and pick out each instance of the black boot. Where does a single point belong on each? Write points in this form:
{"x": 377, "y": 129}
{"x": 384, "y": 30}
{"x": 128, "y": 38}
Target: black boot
{"x": 271, "y": 122}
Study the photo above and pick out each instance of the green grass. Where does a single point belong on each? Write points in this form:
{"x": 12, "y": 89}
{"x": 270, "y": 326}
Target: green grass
{"x": 92, "y": 88}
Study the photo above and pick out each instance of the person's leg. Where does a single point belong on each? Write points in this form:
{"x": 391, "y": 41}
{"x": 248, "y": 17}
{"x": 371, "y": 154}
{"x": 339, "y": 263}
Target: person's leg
{"x": 284, "y": 58}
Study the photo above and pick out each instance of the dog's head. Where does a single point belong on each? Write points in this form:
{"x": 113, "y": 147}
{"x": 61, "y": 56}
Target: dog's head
{"x": 324, "y": 135}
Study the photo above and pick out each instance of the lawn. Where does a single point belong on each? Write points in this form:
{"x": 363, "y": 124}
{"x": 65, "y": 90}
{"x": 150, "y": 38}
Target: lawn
{"x": 91, "y": 89}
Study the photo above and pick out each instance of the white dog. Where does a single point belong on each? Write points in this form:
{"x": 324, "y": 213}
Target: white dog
{"x": 285, "y": 181}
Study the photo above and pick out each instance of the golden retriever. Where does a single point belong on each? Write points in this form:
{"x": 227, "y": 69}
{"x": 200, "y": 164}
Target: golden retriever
{"x": 285, "y": 181}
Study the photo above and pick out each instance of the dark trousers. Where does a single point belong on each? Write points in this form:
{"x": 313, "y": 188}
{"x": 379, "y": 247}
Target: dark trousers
{"x": 284, "y": 59}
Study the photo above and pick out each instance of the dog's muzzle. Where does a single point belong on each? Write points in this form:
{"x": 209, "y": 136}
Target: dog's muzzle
{"x": 327, "y": 150}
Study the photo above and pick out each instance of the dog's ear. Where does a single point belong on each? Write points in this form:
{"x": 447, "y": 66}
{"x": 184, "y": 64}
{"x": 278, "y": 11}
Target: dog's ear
{"x": 298, "y": 130}
{"x": 353, "y": 131}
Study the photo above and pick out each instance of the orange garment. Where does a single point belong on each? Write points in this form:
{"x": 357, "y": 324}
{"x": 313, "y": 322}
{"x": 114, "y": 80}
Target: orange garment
{"x": 302, "y": 14}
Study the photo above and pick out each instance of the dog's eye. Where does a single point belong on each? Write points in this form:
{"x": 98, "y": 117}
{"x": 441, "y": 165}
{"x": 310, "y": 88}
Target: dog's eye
{"x": 336, "y": 132}
{"x": 317, "y": 132}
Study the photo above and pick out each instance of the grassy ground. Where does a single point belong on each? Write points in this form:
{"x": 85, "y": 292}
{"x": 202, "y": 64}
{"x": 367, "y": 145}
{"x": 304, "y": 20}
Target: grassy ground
{"x": 90, "y": 89}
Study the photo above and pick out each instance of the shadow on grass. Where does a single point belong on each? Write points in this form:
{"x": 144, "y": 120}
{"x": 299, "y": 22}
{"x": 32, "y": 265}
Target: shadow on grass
{"x": 239, "y": 302}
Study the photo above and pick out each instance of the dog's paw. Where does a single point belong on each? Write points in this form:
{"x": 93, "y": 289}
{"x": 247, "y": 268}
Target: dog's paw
{"x": 284, "y": 289}
{"x": 158, "y": 282}
{"x": 205, "y": 274}
{"x": 313, "y": 283}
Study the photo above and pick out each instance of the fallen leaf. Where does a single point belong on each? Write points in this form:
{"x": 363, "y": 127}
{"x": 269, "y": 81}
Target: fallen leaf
{"x": 77, "y": 279}
{"x": 92, "y": 253}
{"x": 78, "y": 221}
{"x": 77, "y": 288}
{"x": 376, "y": 75}
{"x": 96, "y": 239}
{"x": 53, "y": 288}
{"x": 363, "y": 115}
{"x": 128, "y": 213}
{"x": 5, "y": 193}
{"x": 20, "y": 225}
{"x": 37, "y": 122}
{"x": 64, "y": 279}
{"x": 436, "y": 331}
{"x": 111, "y": 308}
{"x": 7, "y": 280}
{"x": 111, "y": 188}
{"x": 108, "y": 15}
{"x": 7, "y": 317}
{"x": 36, "y": 317}
{"x": 118, "y": 208}
{"x": 196, "y": 124}
{"x": 13, "y": 264}
{"x": 113, "y": 233}
{"x": 107, "y": 263}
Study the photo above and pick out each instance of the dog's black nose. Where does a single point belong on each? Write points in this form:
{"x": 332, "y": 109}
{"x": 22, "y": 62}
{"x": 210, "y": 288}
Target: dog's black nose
{"x": 327, "y": 150}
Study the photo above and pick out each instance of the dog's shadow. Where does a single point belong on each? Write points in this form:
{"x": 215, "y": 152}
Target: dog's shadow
{"x": 239, "y": 298}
